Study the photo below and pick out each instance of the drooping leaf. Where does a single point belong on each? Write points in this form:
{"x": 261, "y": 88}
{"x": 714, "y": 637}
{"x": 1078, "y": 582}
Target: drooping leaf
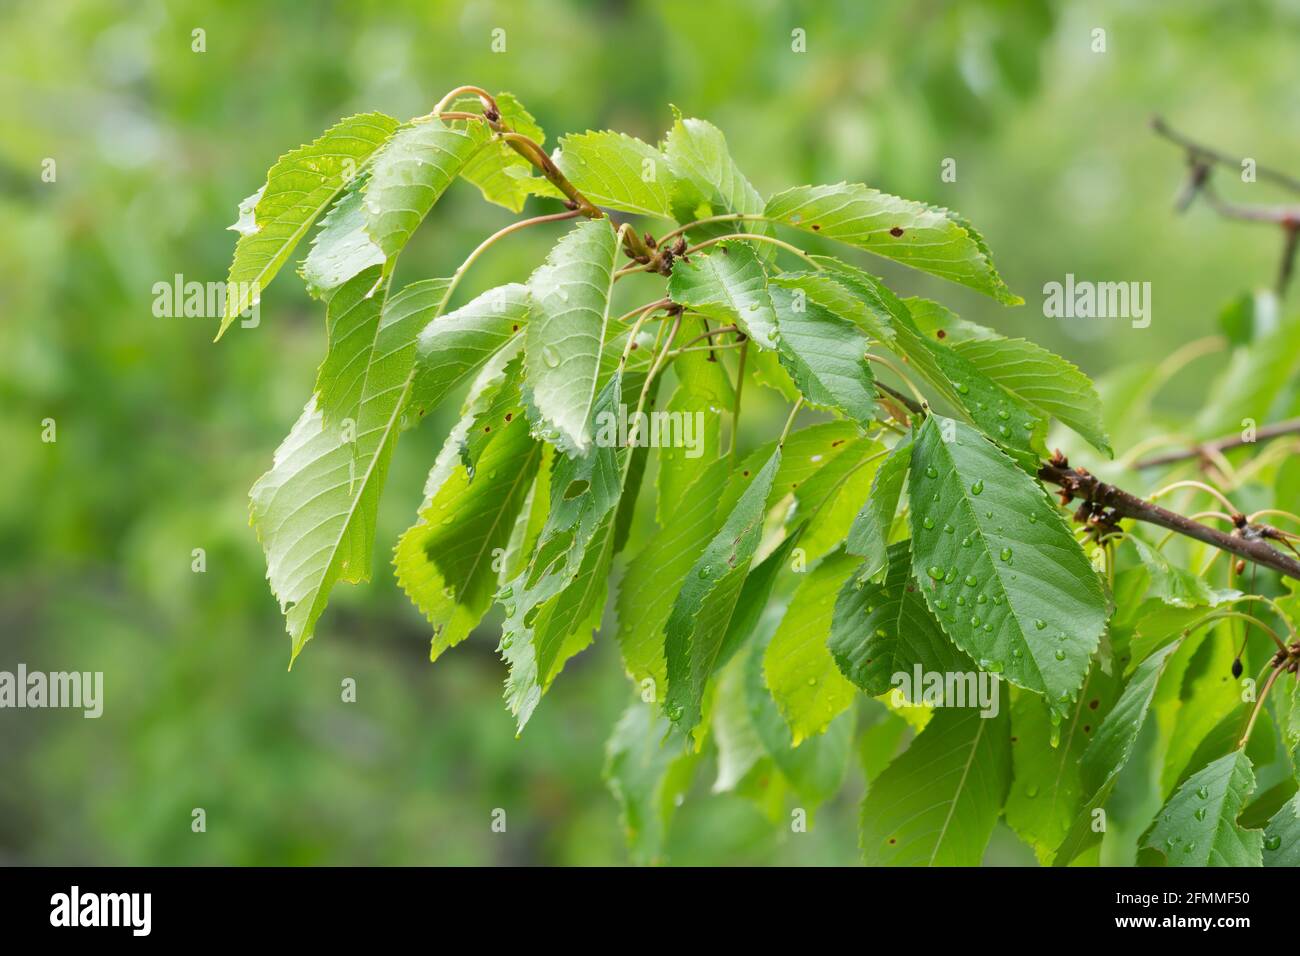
{"x": 1047, "y": 793}
{"x": 584, "y": 494}
{"x": 352, "y": 320}
{"x": 453, "y": 347}
{"x": 797, "y": 666}
{"x": 315, "y": 510}
{"x": 816, "y": 768}
{"x": 1198, "y": 826}
{"x": 869, "y": 533}
{"x": 698, "y": 622}
{"x": 565, "y": 337}
{"x": 729, "y": 286}
{"x": 740, "y": 748}
{"x": 342, "y": 247}
{"x": 825, "y": 356}
{"x": 411, "y": 172}
{"x": 998, "y": 566}
{"x": 936, "y": 804}
{"x": 880, "y": 630}
{"x": 618, "y": 171}
{"x": 806, "y": 452}
{"x": 1109, "y": 752}
{"x": 702, "y": 394}
{"x": 299, "y": 187}
{"x": 655, "y": 575}
{"x": 757, "y": 590}
{"x": 445, "y": 562}
{"x": 648, "y": 777}
{"x": 924, "y": 237}
{"x": 830, "y": 498}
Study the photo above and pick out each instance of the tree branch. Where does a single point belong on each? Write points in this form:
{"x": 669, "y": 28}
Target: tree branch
{"x": 1218, "y": 445}
{"x": 1200, "y": 160}
{"x": 1104, "y": 505}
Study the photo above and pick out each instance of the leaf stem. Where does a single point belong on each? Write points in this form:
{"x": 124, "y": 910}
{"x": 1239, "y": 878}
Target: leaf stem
{"x": 489, "y": 102}
{"x": 798, "y": 403}
{"x": 642, "y": 314}
{"x": 501, "y": 234}
{"x": 726, "y": 217}
{"x": 920, "y": 399}
{"x": 757, "y": 237}
{"x": 1259, "y": 704}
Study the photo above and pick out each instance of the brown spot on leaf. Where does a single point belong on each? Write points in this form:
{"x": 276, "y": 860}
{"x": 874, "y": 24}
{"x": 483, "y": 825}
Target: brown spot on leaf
{"x": 941, "y": 334}
{"x": 896, "y": 231}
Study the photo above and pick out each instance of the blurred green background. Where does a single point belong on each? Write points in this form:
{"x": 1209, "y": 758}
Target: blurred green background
{"x": 160, "y": 433}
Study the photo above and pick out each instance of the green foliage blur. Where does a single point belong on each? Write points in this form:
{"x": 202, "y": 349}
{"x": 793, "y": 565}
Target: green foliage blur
{"x": 160, "y": 433}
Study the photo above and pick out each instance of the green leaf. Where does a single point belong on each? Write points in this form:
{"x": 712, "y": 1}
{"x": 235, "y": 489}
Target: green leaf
{"x": 698, "y": 622}
{"x": 1044, "y": 382}
{"x": 729, "y": 286}
{"x": 315, "y": 510}
{"x": 341, "y": 247}
{"x": 833, "y": 494}
{"x": 869, "y": 533}
{"x": 1282, "y": 835}
{"x": 937, "y": 803}
{"x": 806, "y": 452}
{"x": 352, "y": 322}
{"x": 825, "y": 355}
{"x": 453, "y": 347}
{"x": 751, "y": 606}
{"x": 740, "y": 748}
{"x": 883, "y": 629}
{"x": 412, "y": 171}
{"x": 503, "y": 176}
{"x": 647, "y": 778}
{"x": 998, "y": 566}
{"x": 655, "y": 575}
{"x": 1198, "y": 826}
{"x": 995, "y": 411}
{"x": 862, "y": 298}
{"x": 816, "y": 768}
{"x": 618, "y": 171}
{"x": 703, "y": 392}
{"x": 924, "y": 237}
{"x": 299, "y": 187}
{"x": 1109, "y": 752}
{"x": 563, "y": 343}
{"x": 1174, "y": 585}
{"x": 585, "y": 492}
{"x": 445, "y": 561}
{"x": 797, "y": 665}
{"x": 1047, "y": 792}
{"x": 707, "y": 181}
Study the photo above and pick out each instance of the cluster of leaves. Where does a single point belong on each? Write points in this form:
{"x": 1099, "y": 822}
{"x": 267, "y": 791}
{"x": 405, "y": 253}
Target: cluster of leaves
{"x": 893, "y": 541}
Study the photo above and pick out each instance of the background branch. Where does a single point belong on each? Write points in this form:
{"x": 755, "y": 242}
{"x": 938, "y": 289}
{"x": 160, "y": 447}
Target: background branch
{"x": 1201, "y": 159}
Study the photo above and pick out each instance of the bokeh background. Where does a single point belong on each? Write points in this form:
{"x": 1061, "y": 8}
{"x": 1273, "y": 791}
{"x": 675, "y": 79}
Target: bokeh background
{"x": 160, "y": 433}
